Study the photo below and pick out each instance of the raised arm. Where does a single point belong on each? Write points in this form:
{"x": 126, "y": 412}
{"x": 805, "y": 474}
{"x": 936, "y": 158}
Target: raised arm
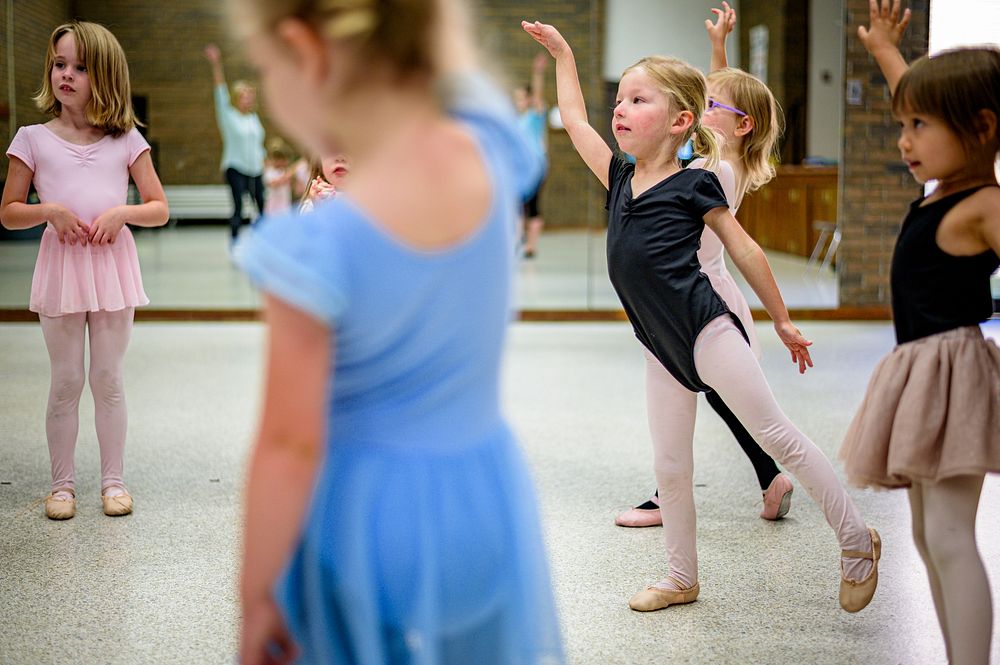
{"x": 538, "y": 66}
{"x": 750, "y": 259}
{"x": 572, "y": 107}
{"x": 214, "y": 57}
{"x": 725, "y": 21}
{"x": 882, "y": 37}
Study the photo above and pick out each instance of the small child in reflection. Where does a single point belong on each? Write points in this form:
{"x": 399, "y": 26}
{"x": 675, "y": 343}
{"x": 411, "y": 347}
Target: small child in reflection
{"x": 278, "y": 175}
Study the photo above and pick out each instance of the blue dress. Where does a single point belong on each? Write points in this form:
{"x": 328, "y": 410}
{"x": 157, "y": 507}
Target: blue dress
{"x": 422, "y": 542}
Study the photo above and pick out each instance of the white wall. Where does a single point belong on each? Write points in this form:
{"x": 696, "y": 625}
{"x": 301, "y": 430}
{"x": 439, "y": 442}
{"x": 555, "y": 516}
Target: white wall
{"x": 637, "y": 28}
{"x": 826, "y": 99}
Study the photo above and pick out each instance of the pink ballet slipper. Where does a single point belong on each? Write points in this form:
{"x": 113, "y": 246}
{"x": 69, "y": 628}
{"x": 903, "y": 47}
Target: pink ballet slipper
{"x": 777, "y": 498}
{"x": 641, "y": 517}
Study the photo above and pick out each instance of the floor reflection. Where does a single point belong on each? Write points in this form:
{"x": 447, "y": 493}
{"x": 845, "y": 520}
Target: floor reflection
{"x": 190, "y": 268}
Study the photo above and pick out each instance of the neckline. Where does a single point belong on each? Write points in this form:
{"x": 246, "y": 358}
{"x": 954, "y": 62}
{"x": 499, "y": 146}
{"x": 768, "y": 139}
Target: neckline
{"x": 966, "y": 192}
{"x": 70, "y": 143}
{"x": 634, "y": 197}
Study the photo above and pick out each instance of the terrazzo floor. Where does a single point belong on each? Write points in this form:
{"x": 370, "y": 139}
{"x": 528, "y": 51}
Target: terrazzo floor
{"x": 158, "y": 586}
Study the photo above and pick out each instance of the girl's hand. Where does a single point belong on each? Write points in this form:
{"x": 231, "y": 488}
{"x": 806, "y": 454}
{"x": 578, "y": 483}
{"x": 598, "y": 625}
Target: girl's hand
{"x": 213, "y": 54}
{"x": 263, "y": 637}
{"x": 320, "y": 190}
{"x": 106, "y": 227}
{"x": 547, "y": 36}
{"x": 725, "y": 21}
{"x": 69, "y": 227}
{"x": 539, "y": 64}
{"x": 796, "y": 343}
{"x": 886, "y": 27}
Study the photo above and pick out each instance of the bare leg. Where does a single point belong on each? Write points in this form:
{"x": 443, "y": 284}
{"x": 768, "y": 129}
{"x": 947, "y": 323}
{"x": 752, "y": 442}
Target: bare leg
{"x": 64, "y": 336}
{"x": 950, "y": 508}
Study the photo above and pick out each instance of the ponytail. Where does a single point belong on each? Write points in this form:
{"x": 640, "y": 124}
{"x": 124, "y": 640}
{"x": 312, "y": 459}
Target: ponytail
{"x": 707, "y": 146}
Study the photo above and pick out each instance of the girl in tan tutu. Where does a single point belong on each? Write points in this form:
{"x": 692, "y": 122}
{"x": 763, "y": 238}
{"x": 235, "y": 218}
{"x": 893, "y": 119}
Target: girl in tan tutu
{"x": 930, "y": 418}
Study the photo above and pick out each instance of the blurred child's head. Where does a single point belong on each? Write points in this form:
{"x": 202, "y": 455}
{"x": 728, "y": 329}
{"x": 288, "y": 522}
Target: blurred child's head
{"x": 685, "y": 91}
{"x": 754, "y": 125}
{"x": 318, "y": 59}
{"x": 85, "y": 63}
{"x": 278, "y": 152}
{"x": 961, "y": 87}
{"x": 522, "y": 98}
{"x": 245, "y": 95}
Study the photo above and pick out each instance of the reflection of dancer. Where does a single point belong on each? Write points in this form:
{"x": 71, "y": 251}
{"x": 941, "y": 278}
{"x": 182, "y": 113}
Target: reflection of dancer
{"x": 530, "y": 104}
{"x": 747, "y": 140}
{"x": 931, "y": 416}
{"x": 87, "y": 278}
{"x": 657, "y": 212}
{"x": 278, "y": 176}
{"x": 242, "y": 140}
{"x": 383, "y": 464}
{"x": 326, "y": 177}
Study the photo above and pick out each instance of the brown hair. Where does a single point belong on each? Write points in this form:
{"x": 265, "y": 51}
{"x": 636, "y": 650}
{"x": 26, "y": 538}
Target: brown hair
{"x": 754, "y": 98}
{"x": 397, "y": 33}
{"x": 955, "y": 86}
{"x": 110, "y": 106}
{"x": 687, "y": 90}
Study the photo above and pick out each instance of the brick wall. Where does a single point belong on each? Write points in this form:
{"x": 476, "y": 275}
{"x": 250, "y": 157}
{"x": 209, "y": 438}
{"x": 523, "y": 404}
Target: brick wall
{"x": 33, "y": 23}
{"x": 876, "y": 188}
{"x": 572, "y": 195}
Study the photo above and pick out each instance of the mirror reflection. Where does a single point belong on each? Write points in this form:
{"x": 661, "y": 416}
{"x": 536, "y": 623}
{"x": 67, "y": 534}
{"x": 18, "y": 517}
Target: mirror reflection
{"x": 199, "y": 116}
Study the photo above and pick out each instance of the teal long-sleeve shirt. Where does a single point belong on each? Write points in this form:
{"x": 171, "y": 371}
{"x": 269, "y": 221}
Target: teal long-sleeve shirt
{"x": 242, "y": 136}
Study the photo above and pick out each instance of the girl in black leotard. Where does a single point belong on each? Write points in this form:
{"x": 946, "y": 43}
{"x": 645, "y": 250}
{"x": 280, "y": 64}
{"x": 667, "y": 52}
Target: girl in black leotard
{"x": 930, "y": 420}
{"x": 657, "y": 213}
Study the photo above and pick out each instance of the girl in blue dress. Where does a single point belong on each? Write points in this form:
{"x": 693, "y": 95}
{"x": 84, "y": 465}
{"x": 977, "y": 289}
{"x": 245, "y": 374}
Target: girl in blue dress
{"x": 390, "y": 517}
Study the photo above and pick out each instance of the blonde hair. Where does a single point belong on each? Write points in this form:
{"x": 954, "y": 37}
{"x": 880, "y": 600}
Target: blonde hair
{"x": 241, "y": 86}
{"x": 397, "y": 33}
{"x": 750, "y": 95}
{"x": 278, "y": 149}
{"x": 955, "y": 86}
{"x": 110, "y": 106}
{"x": 687, "y": 90}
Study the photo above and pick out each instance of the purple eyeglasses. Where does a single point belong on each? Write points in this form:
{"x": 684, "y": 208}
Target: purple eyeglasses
{"x": 714, "y": 104}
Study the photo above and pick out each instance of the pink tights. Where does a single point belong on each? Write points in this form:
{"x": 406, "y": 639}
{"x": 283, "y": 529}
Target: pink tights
{"x": 64, "y": 339}
{"x": 944, "y": 530}
{"x": 725, "y": 362}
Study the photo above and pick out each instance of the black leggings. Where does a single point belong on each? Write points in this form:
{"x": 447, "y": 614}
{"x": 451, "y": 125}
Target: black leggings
{"x": 238, "y": 185}
{"x": 763, "y": 465}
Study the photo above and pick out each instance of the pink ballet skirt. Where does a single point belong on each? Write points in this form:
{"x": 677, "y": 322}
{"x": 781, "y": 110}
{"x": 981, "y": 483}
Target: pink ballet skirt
{"x": 86, "y": 278}
{"x": 932, "y": 411}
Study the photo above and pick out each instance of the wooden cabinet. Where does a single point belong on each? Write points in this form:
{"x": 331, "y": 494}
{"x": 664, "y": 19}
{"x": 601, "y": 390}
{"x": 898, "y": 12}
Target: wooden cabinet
{"x": 781, "y": 214}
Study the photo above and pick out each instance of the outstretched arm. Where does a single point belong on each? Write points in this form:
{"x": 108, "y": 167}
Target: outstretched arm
{"x": 882, "y": 37}
{"x": 750, "y": 259}
{"x": 572, "y": 107}
{"x": 725, "y": 20}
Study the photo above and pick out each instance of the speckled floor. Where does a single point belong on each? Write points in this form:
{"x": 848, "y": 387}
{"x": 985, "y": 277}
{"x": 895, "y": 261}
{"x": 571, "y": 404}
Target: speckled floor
{"x": 158, "y": 586}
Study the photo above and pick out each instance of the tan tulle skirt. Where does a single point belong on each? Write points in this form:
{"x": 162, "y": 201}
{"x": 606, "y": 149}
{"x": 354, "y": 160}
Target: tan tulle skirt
{"x": 931, "y": 411}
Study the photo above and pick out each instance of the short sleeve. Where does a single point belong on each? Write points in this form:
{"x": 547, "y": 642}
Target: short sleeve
{"x": 474, "y": 97}
{"x": 136, "y": 144}
{"x": 727, "y": 178}
{"x": 20, "y": 147}
{"x": 297, "y": 259}
{"x": 618, "y": 170}
{"x": 706, "y": 193}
